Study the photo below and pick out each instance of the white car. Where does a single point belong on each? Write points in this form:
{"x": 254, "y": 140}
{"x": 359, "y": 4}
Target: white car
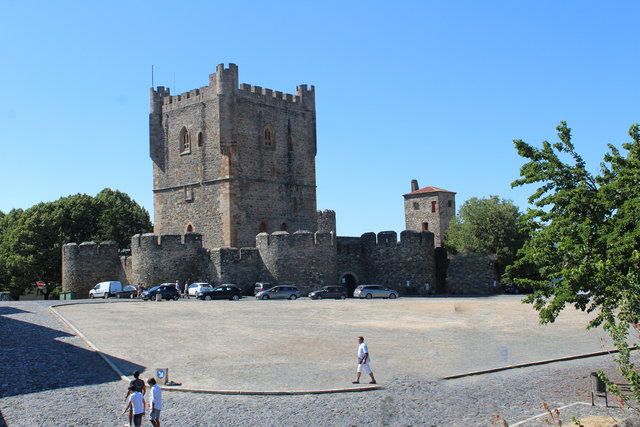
{"x": 194, "y": 288}
{"x": 105, "y": 289}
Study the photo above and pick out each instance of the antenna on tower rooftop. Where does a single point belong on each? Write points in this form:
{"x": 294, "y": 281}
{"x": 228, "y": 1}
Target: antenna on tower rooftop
{"x": 152, "y": 77}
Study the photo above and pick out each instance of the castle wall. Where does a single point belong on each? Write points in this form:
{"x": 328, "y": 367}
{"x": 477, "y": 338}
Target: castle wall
{"x": 351, "y": 259}
{"x": 384, "y": 260}
{"x": 87, "y": 264}
{"x": 303, "y": 259}
{"x": 167, "y": 258}
{"x": 242, "y": 267}
{"x": 472, "y": 274}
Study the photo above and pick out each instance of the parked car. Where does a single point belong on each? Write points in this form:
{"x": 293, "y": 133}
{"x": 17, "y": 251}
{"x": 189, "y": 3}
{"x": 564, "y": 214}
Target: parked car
{"x": 261, "y": 286}
{"x": 374, "y": 291}
{"x": 166, "y": 290}
{"x": 337, "y": 292}
{"x": 225, "y": 291}
{"x": 279, "y": 292}
{"x": 196, "y": 288}
{"x": 105, "y": 289}
{"x": 128, "y": 292}
{"x": 513, "y": 289}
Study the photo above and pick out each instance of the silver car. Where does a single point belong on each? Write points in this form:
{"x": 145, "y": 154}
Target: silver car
{"x": 374, "y": 291}
{"x": 279, "y": 292}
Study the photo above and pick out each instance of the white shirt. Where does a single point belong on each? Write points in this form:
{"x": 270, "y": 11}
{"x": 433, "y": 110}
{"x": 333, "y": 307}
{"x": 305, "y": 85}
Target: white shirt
{"x": 137, "y": 401}
{"x": 362, "y": 349}
{"x": 156, "y": 396}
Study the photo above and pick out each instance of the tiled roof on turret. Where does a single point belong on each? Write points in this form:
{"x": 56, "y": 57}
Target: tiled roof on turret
{"x": 429, "y": 189}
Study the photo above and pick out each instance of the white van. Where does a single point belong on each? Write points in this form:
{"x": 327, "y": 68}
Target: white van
{"x": 105, "y": 289}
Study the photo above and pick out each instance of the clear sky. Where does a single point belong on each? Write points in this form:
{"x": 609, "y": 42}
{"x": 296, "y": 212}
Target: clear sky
{"x": 433, "y": 91}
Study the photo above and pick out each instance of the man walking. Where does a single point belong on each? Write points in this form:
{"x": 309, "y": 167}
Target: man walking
{"x": 135, "y": 405}
{"x": 155, "y": 404}
{"x": 363, "y": 362}
{"x": 186, "y": 290}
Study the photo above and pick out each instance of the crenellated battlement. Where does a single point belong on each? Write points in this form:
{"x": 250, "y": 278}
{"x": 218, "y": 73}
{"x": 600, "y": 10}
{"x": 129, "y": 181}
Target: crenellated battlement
{"x": 389, "y": 238}
{"x": 107, "y": 249}
{"x": 407, "y": 238}
{"x": 225, "y": 81}
{"x": 151, "y": 241}
{"x": 303, "y": 97}
{"x": 299, "y": 239}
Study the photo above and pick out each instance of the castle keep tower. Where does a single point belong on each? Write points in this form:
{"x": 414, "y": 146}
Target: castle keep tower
{"x": 429, "y": 209}
{"x": 232, "y": 161}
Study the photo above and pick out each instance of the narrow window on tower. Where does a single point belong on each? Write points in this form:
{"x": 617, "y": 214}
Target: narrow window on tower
{"x": 185, "y": 141}
{"x": 269, "y": 136}
{"x": 200, "y": 139}
{"x": 263, "y": 227}
{"x": 434, "y": 206}
{"x": 425, "y": 226}
{"x": 284, "y": 227}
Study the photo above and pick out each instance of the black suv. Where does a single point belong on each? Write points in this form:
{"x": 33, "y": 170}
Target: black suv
{"x": 167, "y": 291}
{"x": 337, "y": 292}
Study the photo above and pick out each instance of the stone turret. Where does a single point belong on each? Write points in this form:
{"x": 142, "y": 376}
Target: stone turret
{"x": 429, "y": 209}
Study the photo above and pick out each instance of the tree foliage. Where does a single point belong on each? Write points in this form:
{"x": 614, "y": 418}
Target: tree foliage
{"x": 487, "y": 225}
{"x": 585, "y": 236}
{"x": 31, "y": 240}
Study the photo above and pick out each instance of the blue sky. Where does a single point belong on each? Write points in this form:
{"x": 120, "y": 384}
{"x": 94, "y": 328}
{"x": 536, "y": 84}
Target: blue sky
{"x": 433, "y": 91}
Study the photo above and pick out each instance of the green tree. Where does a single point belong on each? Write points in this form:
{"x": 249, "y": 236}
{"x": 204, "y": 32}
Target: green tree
{"x": 487, "y": 225}
{"x": 119, "y": 218}
{"x": 585, "y": 237}
{"x": 31, "y": 241}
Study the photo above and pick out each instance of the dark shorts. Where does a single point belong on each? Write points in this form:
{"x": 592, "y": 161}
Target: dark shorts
{"x": 155, "y": 414}
{"x": 137, "y": 420}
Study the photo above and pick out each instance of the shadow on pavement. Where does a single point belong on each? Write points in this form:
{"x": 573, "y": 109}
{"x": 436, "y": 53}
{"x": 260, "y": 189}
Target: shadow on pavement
{"x": 7, "y": 311}
{"x": 36, "y": 358}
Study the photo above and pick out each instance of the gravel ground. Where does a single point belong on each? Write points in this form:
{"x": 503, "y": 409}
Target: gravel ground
{"x": 311, "y": 345}
{"x": 50, "y": 377}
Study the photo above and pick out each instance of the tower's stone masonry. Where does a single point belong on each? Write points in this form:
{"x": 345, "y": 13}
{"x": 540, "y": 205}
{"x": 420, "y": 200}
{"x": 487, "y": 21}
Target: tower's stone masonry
{"x": 230, "y": 162}
{"x": 429, "y": 209}
{"x": 327, "y": 221}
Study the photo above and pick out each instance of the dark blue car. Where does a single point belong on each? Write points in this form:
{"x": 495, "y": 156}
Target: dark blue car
{"x": 166, "y": 291}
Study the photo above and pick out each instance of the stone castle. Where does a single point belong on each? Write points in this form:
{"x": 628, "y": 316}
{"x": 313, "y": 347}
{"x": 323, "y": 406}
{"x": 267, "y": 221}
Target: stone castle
{"x": 235, "y": 202}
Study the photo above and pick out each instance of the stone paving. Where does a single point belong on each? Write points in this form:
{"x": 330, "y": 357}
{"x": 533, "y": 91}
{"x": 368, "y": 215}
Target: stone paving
{"x": 50, "y": 377}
